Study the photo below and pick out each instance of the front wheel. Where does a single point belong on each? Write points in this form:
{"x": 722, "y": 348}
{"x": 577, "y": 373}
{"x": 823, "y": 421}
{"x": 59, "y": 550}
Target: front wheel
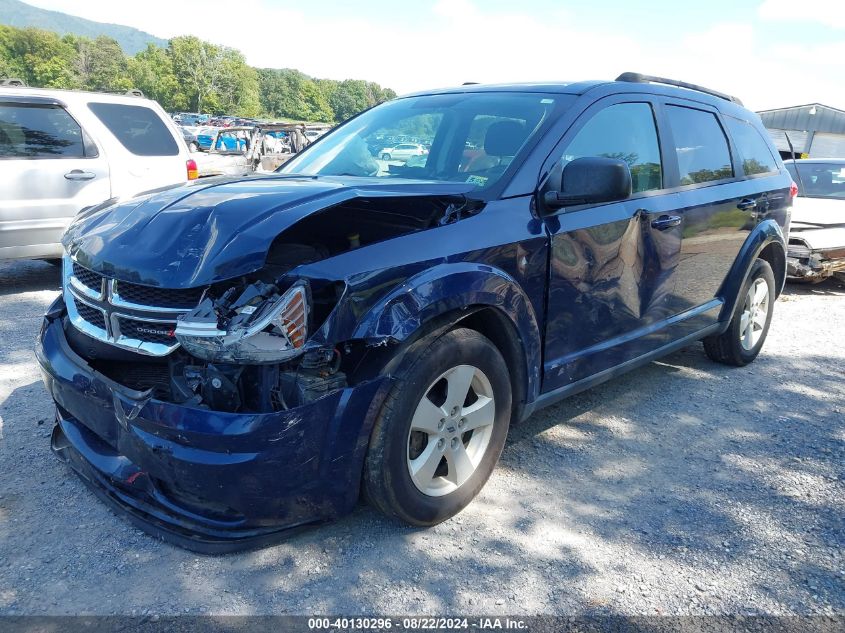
{"x": 744, "y": 338}
{"x": 440, "y": 431}
{"x": 385, "y": 156}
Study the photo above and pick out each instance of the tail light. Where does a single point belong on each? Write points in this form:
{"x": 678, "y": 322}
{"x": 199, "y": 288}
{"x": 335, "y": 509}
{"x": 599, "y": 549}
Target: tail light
{"x": 193, "y": 172}
{"x": 793, "y": 190}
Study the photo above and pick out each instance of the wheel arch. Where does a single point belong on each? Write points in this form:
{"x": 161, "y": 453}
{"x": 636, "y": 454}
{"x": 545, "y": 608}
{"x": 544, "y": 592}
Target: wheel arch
{"x": 466, "y": 295}
{"x": 766, "y": 242}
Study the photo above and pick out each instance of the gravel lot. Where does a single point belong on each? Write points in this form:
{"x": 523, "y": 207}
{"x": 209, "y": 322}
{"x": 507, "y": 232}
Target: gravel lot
{"x": 685, "y": 487}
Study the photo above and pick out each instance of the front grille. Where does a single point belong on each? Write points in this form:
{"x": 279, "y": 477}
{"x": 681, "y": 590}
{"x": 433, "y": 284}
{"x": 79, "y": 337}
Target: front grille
{"x": 161, "y": 333}
{"x": 94, "y": 316}
{"x": 159, "y": 297}
{"x": 127, "y": 315}
{"x": 88, "y": 278}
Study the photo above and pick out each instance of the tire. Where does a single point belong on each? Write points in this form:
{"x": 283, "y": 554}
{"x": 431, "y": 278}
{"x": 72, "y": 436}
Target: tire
{"x": 385, "y": 156}
{"x": 746, "y": 333}
{"x": 430, "y": 384}
{"x": 193, "y": 147}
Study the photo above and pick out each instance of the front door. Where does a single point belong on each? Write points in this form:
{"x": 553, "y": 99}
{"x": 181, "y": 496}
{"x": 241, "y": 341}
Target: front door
{"x": 612, "y": 265}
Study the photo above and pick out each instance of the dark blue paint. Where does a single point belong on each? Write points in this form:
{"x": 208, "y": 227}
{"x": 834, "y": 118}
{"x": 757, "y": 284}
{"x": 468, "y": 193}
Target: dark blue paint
{"x": 590, "y": 293}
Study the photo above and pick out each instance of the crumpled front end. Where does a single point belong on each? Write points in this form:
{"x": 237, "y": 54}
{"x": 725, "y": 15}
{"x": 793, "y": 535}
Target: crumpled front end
{"x": 206, "y": 479}
{"x": 220, "y": 385}
{"x": 806, "y": 263}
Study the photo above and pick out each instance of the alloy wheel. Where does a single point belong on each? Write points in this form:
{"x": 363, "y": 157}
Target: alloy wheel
{"x": 755, "y": 312}
{"x": 450, "y": 430}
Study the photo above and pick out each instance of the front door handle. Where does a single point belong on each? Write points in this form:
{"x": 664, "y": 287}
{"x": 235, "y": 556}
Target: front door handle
{"x": 666, "y": 222}
{"x": 78, "y": 174}
{"x": 745, "y": 204}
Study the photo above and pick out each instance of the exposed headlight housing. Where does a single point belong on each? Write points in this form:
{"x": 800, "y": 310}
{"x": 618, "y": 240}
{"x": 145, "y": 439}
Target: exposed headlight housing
{"x": 252, "y": 327}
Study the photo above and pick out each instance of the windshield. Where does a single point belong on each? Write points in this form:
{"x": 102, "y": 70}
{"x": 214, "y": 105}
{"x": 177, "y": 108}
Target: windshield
{"x": 470, "y": 138}
{"x": 819, "y": 180}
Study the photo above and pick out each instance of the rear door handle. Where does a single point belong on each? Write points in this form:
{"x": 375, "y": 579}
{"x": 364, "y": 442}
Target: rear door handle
{"x": 666, "y": 222}
{"x": 745, "y": 204}
{"x": 78, "y": 174}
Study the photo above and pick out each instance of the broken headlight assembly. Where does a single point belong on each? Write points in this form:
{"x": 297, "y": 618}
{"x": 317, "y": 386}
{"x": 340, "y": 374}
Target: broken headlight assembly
{"x": 254, "y": 325}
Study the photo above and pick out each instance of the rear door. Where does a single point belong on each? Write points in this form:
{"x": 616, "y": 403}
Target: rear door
{"x": 51, "y": 169}
{"x": 719, "y": 205}
{"x": 147, "y": 152}
{"x": 612, "y": 265}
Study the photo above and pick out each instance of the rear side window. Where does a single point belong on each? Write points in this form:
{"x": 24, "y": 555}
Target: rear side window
{"x": 625, "y": 131}
{"x": 139, "y": 129}
{"x": 39, "y": 131}
{"x": 701, "y": 146}
{"x": 756, "y": 156}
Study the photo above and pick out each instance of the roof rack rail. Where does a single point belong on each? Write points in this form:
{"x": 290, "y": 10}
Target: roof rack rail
{"x": 643, "y": 79}
{"x": 134, "y": 92}
{"x": 12, "y": 81}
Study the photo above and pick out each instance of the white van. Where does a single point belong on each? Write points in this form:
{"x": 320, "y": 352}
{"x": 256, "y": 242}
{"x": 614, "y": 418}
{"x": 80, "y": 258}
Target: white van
{"x": 64, "y": 150}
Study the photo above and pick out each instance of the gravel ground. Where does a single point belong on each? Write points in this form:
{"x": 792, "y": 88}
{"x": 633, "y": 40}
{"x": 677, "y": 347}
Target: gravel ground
{"x": 682, "y": 488}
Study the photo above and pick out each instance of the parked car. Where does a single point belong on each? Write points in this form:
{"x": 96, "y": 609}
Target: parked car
{"x": 288, "y": 340}
{"x": 402, "y": 151}
{"x": 817, "y": 235}
{"x": 62, "y": 151}
{"x": 240, "y": 151}
{"x": 192, "y": 118}
{"x": 190, "y": 137}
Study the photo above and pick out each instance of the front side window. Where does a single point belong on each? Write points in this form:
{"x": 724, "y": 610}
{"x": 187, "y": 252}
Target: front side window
{"x": 465, "y": 137}
{"x": 39, "y": 131}
{"x": 701, "y": 146}
{"x": 625, "y": 131}
{"x": 139, "y": 129}
{"x": 756, "y": 156}
{"x": 818, "y": 180}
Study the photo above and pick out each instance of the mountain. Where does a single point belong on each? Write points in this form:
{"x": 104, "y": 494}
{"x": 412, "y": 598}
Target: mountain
{"x": 22, "y": 15}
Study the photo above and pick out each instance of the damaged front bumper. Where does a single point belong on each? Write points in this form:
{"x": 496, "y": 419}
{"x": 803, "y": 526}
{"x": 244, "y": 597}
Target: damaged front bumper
{"x": 207, "y": 480}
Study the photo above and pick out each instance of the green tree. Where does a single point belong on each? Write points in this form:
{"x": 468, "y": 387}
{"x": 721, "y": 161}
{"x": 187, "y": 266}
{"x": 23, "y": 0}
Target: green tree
{"x": 100, "y": 64}
{"x": 151, "y": 71}
{"x": 237, "y": 89}
{"x": 41, "y": 58}
{"x": 197, "y": 66}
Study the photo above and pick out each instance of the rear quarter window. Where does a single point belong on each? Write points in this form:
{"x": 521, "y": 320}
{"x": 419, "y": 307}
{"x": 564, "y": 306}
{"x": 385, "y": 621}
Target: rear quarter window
{"x": 757, "y": 157}
{"x": 138, "y": 128}
{"x": 39, "y": 131}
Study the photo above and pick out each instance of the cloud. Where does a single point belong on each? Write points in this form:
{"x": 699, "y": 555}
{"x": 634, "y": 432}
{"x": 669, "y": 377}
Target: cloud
{"x": 465, "y": 40}
{"x": 827, "y": 12}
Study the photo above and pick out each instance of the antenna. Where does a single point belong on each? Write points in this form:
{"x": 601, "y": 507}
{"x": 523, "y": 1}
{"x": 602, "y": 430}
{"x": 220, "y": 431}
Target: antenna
{"x": 792, "y": 151}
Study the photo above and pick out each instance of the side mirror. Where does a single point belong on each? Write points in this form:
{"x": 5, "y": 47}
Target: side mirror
{"x": 591, "y": 180}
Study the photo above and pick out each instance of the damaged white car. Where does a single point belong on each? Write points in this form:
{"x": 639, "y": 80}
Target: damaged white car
{"x": 817, "y": 234}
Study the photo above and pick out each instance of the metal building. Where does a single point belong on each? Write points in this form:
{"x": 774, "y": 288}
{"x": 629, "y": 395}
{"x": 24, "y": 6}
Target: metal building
{"x": 816, "y": 130}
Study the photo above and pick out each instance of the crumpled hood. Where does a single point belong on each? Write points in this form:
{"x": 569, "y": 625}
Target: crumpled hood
{"x": 205, "y": 232}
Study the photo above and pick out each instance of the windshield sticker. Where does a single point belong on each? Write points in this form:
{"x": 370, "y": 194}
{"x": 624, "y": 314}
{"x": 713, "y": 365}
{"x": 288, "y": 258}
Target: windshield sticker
{"x": 477, "y": 180}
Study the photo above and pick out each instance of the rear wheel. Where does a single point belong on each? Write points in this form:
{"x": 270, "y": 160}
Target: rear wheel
{"x": 744, "y": 338}
{"x": 440, "y": 431}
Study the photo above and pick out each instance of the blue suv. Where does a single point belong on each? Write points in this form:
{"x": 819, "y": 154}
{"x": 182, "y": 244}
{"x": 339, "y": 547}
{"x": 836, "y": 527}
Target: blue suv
{"x": 233, "y": 358}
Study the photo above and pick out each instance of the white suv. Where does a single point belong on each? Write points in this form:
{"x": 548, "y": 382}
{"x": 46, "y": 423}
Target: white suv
{"x": 403, "y": 151}
{"x": 62, "y": 151}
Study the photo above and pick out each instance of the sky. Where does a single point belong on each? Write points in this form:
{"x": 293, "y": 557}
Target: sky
{"x": 770, "y": 53}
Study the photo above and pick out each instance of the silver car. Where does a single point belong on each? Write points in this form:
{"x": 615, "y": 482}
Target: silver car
{"x": 62, "y": 151}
